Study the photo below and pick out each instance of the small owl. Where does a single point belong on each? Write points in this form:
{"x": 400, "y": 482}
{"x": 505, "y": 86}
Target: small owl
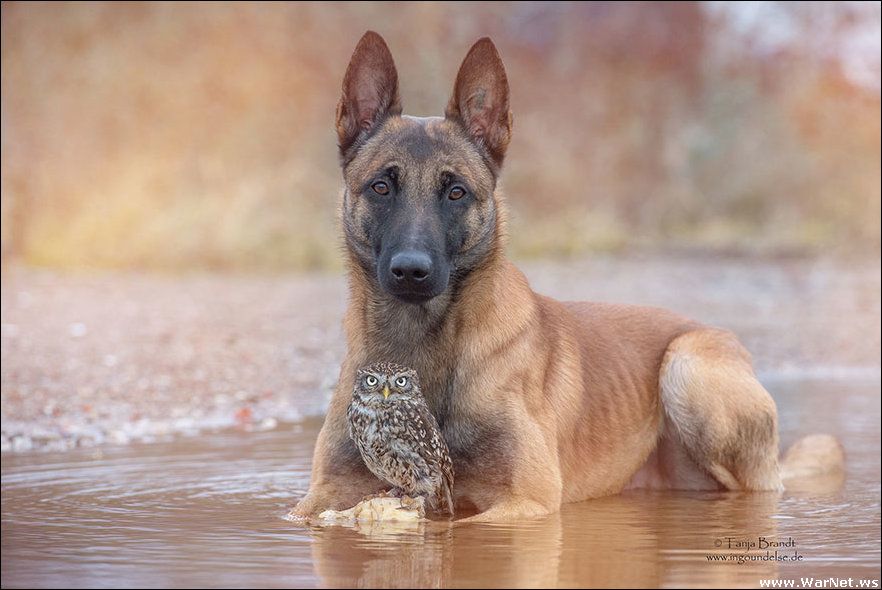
{"x": 397, "y": 435}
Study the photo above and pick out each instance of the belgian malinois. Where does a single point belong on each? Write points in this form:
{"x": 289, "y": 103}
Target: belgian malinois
{"x": 541, "y": 402}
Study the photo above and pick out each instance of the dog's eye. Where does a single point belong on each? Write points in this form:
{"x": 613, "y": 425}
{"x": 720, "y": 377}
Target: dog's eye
{"x": 370, "y": 381}
{"x": 456, "y": 193}
{"x": 381, "y": 188}
{"x": 401, "y": 381}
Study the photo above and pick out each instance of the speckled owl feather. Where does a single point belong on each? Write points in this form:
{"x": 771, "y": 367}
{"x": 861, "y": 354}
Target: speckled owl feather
{"x": 397, "y": 435}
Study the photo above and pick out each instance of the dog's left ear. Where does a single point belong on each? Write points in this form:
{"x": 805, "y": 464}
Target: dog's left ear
{"x": 480, "y": 99}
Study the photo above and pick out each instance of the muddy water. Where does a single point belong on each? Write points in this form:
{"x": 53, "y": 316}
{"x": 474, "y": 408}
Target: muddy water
{"x": 209, "y": 512}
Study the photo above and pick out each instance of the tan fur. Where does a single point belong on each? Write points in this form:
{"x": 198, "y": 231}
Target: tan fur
{"x": 592, "y": 390}
{"x": 569, "y": 401}
{"x": 816, "y": 454}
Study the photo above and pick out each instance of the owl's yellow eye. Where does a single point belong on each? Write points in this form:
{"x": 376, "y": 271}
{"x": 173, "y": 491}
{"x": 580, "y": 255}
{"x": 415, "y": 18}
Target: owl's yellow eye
{"x": 401, "y": 382}
{"x": 371, "y": 381}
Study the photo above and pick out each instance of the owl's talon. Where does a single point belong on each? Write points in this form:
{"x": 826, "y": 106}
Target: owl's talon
{"x": 409, "y": 503}
{"x": 370, "y": 497}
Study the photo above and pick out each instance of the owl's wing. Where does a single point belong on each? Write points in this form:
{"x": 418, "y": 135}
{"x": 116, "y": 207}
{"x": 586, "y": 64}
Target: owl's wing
{"x": 423, "y": 428}
{"x": 350, "y": 422}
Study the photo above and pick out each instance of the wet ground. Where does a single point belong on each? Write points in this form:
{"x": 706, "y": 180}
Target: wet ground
{"x": 209, "y": 511}
{"x": 225, "y": 377}
{"x": 92, "y": 359}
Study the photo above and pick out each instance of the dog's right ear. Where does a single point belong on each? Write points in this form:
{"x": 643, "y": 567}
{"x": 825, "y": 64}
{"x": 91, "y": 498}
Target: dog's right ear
{"x": 480, "y": 99}
{"x": 370, "y": 91}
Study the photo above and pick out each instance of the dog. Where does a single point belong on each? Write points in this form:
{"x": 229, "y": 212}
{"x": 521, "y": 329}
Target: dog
{"x": 541, "y": 402}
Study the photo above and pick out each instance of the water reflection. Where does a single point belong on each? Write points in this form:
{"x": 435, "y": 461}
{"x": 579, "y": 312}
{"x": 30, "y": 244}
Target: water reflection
{"x": 208, "y": 512}
{"x": 637, "y": 540}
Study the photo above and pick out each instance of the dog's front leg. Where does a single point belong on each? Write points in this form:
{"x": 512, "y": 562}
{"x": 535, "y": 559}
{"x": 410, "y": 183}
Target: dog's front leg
{"x": 509, "y": 472}
{"x": 340, "y": 479}
{"x": 513, "y": 508}
{"x": 336, "y": 493}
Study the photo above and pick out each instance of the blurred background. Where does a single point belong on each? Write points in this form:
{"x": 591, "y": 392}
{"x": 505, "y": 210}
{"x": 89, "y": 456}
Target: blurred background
{"x": 200, "y": 136}
{"x": 172, "y": 270}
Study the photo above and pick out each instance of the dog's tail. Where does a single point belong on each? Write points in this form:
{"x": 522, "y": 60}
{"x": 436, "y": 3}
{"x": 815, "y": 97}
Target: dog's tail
{"x": 814, "y": 462}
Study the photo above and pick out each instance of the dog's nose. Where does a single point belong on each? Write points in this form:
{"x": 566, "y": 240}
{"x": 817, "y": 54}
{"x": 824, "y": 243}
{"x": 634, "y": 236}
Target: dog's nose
{"x": 410, "y": 267}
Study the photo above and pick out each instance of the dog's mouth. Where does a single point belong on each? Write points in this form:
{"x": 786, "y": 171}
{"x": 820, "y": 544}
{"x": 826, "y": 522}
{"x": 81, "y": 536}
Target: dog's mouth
{"x": 414, "y": 298}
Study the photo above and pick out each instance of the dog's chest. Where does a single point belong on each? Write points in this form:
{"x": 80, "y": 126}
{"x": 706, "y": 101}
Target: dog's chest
{"x": 473, "y": 438}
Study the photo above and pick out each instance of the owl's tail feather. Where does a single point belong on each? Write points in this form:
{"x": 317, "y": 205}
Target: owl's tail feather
{"x": 447, "y": 494}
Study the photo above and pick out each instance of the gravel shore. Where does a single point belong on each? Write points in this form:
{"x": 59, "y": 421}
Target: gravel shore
{"x": 89, "y": 359}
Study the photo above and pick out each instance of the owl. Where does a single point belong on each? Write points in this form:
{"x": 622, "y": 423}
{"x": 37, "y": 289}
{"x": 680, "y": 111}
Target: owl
{"x": 397, "y": 435}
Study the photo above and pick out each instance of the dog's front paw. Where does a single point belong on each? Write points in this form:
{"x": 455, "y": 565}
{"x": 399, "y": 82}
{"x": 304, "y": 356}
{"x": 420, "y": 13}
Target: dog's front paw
{"x": 308, "y": 507}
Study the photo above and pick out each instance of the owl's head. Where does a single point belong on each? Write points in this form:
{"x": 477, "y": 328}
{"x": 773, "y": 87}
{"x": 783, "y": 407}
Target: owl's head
{"x": 386, "y": 382}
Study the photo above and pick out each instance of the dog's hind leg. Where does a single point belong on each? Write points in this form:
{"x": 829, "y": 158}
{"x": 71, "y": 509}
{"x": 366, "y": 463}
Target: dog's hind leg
{"x": 719, "y": 412}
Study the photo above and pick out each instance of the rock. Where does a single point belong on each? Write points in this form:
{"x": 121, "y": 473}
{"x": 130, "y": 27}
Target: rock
{"x": 380, "y": 508}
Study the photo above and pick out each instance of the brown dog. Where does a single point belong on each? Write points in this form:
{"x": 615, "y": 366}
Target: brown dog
{"x": 541, "y": 402}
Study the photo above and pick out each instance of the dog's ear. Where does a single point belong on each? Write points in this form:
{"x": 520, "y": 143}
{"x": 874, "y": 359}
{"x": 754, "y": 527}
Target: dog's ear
{"x": 370, "y": 90}
{"x": 480, "y": 99}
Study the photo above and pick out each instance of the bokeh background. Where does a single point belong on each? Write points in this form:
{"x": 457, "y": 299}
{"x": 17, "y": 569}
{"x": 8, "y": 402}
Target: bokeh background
{"x": 200, "y": 136}
{"x": 172, "y": 272}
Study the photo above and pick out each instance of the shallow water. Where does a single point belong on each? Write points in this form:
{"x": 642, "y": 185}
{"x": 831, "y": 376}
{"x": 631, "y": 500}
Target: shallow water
{"x": 209, "y": 511}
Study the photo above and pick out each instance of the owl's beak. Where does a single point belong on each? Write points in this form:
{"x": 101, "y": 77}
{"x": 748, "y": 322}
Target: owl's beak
{"x": 385, "y": 392}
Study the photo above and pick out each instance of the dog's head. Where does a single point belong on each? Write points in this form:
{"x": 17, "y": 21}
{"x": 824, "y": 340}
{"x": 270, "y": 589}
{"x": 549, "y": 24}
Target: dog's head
{"x": 419, "y": 211}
